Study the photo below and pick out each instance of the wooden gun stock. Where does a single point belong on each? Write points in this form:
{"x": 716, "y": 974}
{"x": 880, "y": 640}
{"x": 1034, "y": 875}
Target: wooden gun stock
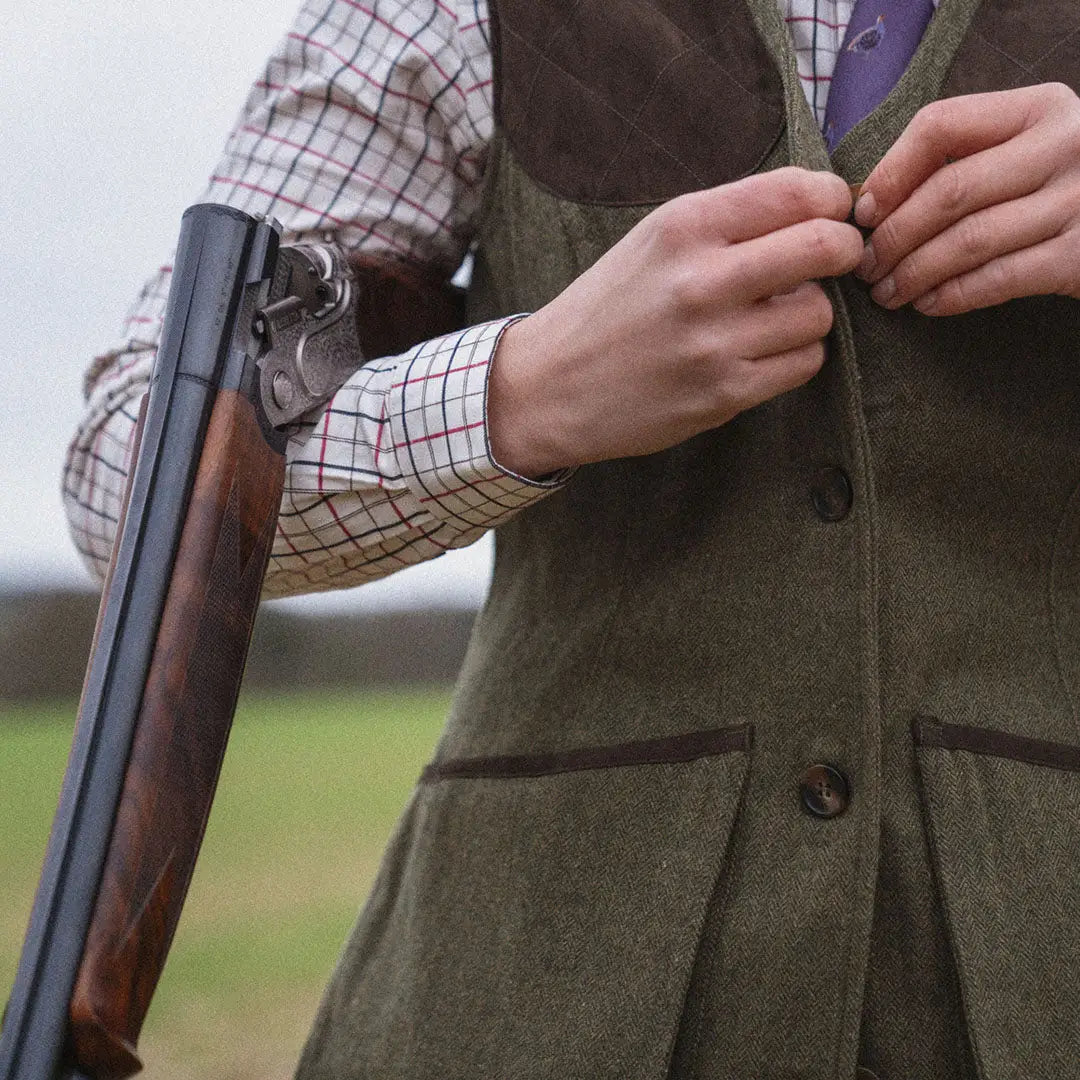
{"x": 180, "y": 739}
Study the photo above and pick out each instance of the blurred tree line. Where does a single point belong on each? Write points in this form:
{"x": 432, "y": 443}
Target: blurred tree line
{"x": 45, "y": 641}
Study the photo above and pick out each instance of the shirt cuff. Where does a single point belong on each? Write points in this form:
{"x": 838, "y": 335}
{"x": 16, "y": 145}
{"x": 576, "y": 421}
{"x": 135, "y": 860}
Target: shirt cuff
{"x": 438, "y": 423}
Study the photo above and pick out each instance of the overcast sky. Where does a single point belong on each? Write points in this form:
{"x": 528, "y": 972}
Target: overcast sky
{"x": 111, "y": 117}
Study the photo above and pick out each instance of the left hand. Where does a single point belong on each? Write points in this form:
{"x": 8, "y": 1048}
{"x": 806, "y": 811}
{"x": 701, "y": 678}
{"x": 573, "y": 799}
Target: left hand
{"x": 977, "y": 202}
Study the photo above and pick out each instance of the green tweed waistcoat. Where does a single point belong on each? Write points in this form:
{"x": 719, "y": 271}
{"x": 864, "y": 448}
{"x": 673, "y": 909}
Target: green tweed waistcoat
{"x": 608, "y": 869}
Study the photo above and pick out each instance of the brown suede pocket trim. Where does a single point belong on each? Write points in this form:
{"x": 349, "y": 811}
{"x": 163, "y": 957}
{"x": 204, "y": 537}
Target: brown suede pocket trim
{"x": 1054, "y": 755}
{"x": 673, "y": 749}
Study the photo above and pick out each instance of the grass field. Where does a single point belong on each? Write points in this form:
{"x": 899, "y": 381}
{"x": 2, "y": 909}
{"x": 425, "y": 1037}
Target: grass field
{"x": 311, "y": 788}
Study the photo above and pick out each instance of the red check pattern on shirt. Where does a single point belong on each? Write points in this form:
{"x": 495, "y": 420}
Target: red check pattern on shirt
{"x": 817, "y": 30}
{"x": 370, "y": 126}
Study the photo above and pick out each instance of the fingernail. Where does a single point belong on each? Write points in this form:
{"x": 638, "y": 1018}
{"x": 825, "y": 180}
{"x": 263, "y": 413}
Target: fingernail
{"x": 926, "y": 303}
{"x": 868, "y": 261}
{"x": 884, "y": 291}
{"x": 865, "y": 209}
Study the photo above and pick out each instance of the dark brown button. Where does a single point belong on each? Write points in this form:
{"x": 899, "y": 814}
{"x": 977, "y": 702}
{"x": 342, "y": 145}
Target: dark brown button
{"x": 864, "y": 1074}
{"x": 825, "y": 791}
{"x": 832, "y": 493}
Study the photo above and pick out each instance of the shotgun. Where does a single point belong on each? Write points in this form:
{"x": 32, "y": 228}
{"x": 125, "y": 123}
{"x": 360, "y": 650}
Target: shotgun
{"x": 256, "y": 335}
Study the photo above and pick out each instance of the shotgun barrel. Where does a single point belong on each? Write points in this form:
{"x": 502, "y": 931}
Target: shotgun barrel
{"x": 256, "y": 335}
{"x": 164, "y": 671}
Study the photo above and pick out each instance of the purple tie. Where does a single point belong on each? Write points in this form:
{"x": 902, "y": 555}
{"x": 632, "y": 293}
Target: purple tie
{"x": 880, "y": 41}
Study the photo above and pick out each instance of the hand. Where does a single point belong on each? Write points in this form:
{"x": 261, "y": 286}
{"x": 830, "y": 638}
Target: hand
{"x": 702, "y": 310}
{"x": 977, "y": 202}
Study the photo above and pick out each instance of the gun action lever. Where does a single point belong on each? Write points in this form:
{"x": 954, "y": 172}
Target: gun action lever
{"x": 311, "y": 337}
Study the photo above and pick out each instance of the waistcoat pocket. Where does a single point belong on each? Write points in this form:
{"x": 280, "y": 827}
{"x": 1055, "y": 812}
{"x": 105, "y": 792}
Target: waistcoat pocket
{"x": 1004, "y": 821}
{"x": 537, "y": 916}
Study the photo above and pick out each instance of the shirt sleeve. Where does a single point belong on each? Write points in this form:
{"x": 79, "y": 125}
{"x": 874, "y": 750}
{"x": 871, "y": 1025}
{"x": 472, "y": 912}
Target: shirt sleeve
{"x": 370, "y": 127}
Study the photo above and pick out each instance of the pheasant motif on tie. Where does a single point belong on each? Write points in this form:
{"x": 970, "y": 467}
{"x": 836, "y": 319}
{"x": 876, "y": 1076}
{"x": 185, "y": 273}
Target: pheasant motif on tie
{"x": 880, "y": 41}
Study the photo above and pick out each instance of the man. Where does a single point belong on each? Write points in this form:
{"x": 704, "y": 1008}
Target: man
{"x": 765, "y": 760}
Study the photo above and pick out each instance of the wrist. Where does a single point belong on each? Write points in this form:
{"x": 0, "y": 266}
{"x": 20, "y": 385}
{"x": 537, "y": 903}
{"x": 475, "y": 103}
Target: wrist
{"x": 520, "y": 421}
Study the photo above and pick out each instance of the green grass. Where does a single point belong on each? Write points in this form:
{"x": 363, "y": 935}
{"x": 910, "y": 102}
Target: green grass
{"x": 311, "y": 788}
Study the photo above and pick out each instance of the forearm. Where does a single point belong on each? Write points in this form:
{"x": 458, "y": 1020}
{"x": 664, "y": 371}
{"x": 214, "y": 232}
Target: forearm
{"x": 396, "y": 470}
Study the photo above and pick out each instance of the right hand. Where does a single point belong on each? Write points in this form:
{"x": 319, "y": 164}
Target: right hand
{"x": 705, "y": 308}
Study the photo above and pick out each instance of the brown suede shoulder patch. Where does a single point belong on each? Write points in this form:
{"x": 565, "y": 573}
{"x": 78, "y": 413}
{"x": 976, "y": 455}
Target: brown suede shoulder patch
{"x": 1012, "y": 44}
{"x": 619, "y": 102}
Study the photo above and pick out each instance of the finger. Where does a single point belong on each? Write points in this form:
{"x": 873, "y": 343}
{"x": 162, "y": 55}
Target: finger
{"x": 781, "y": 260}
{"x": 970, "y": 243}
{"x": 955, "y": 192}
{"x": 1039, "y": 270}
{"x": 765, "y": 202}
{"x": 951, "y": 128}
{"x": 784, "y": 322}
{"x": 771, "y": 376}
